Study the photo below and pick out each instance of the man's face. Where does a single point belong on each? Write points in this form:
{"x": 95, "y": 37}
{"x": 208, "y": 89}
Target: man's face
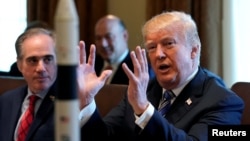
{"x": 171, "y": 56}
{"x": 38, "y": 62}
{"x": 110, "y": 40}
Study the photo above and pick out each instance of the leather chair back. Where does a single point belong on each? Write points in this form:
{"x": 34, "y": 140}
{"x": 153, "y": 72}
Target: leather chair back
{"x": 243, "y": 90}
{"x": 107, "y": 98}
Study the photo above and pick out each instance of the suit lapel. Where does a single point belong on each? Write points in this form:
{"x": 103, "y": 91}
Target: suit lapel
{"x": 155, "y": 93}
{"x": 15, "y": 107}
{"x": 120, "y": 76}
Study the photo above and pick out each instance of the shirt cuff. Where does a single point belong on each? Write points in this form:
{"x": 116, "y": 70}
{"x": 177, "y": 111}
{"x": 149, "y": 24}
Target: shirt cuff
{"x": 142, "y": 121}
{"x": 87, "y": 112}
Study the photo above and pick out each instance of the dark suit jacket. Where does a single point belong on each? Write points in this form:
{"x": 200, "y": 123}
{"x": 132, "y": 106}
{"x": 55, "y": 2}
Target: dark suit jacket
{"x": 120, "y": 76}
{"x": 211, "y": 104}
{"x": 42, "y": 128}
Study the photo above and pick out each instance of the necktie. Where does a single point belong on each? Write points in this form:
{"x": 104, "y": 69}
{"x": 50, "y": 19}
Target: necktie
{"x": 165, "y": 102}
{"x": 109, "y": 67}
{"x": 27, "y": 119}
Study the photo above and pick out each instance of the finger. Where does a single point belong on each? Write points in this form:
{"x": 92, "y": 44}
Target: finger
{"x": 105, "y": 75}
{"x": 82, "y": 51}
{"x": 91, "y": 59}
{"x": 135, "y": 62}
{"x": 128, "y": 72}
{"x": 145, "y": 58}
{"x": 139, "y": 56}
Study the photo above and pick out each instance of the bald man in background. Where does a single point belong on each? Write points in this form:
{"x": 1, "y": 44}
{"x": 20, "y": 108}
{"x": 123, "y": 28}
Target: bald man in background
{"x": 111, "y": 40}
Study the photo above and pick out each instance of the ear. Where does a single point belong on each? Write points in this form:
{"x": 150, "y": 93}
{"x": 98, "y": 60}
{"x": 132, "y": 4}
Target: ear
{"x": 195, "y": 51}
{"x": 19, "y": 65}
{"x": 125, "y": 35}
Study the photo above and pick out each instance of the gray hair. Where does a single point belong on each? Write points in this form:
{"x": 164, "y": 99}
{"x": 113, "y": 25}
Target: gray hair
{"x": 183, "y": 21}
{"x": 30, "y": 33}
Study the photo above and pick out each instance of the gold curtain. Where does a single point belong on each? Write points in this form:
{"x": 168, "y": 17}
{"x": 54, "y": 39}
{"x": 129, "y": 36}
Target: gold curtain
{"x": 89, "y": 12}
{"x": 208, "y": 16}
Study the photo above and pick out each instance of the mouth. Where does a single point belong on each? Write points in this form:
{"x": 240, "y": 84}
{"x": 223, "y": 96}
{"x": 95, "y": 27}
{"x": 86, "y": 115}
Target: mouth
{"x": 41, "y": 79}
{"x": 164, "y": 67}
{"x": 106, "y": 53}
{"x": 106, "y": 49}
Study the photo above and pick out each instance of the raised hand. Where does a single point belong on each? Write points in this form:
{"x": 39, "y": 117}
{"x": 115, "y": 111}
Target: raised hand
{"x": 88, "y": 82}
{"x": 138, "y": 81}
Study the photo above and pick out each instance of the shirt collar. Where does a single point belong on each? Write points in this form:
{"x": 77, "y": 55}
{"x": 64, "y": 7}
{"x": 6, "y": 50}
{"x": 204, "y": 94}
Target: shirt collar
{"x": 40, "y": 95}
{"x": 178, "y": 90}
{"x": 119, "y": 60}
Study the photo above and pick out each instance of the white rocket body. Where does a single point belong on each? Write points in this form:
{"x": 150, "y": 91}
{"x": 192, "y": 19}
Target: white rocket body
{"x": 66, "y": 22}
{"x": 67, "y": 32}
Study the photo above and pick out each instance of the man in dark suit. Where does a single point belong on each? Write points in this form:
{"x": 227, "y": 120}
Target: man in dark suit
{"x": 111, "y": 40}
{"x": 200, "y": 97}
{"x": 36, "y": 60}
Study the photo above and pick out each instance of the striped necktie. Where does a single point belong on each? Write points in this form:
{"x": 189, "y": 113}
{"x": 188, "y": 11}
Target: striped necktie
{"x": 26, "y": 119}
{"x": 165, "y": 102}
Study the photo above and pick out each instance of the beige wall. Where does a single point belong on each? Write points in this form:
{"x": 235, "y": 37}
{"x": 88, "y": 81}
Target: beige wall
{"x": 132, "y": 12}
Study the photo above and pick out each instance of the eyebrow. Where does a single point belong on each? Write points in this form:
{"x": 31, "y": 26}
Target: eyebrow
{"x": 45, "y": 56}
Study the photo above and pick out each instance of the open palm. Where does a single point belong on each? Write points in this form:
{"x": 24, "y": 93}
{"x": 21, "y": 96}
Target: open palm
{"x": 88, "y": 82}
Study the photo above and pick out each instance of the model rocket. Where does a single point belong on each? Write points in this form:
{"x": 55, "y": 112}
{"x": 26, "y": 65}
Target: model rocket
{"x": 66, "y": 23}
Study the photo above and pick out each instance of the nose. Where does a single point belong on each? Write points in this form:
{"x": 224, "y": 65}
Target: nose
{"x": 40, "y": 66}
{"x": 160, "y": 52}
{"x": 104, "y": 42}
